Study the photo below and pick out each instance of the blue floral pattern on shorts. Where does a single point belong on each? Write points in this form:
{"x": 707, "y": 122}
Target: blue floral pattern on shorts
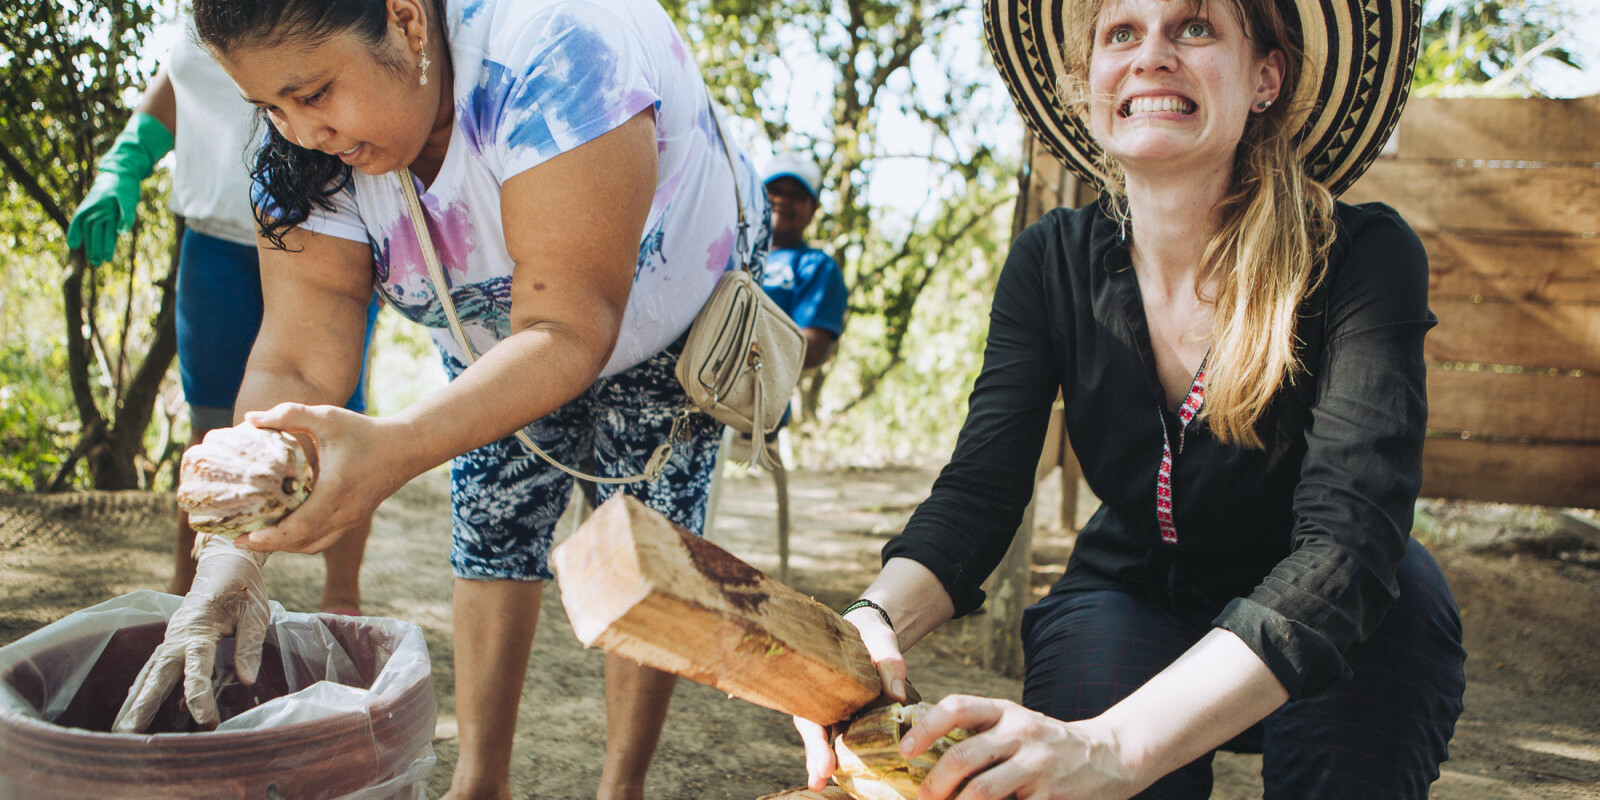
{"x": 506, "y": 501}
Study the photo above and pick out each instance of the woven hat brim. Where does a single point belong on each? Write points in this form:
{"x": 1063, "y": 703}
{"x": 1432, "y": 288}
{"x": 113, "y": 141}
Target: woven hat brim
{"x": 1359, "y": 59}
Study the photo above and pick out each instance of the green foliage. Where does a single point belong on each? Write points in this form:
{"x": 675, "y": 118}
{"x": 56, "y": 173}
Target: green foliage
{"x": 70, "y": 68}
{"x": 405, "y": 365}
{"x": 734, "y": 41}
{"x": 69, "y": 71}
{"x": 37, "y": 407}
{"x": 35, "y": 416}
{"x": 1485, "y": 47}
{"x": 898, "y": 388}
{"x": 834, "y": 78}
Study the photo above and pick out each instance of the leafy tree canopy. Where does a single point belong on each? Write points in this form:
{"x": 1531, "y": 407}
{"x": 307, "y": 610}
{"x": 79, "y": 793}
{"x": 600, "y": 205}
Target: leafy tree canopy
{"x": 1487, "y": 47}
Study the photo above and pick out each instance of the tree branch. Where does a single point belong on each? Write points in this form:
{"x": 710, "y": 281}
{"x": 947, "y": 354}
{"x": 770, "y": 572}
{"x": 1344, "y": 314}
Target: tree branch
{"x": 31, "y": 187}
{"x": 137, "y": 407}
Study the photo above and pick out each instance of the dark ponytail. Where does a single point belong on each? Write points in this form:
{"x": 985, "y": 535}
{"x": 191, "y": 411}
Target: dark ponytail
{"x": 291, "y": 179}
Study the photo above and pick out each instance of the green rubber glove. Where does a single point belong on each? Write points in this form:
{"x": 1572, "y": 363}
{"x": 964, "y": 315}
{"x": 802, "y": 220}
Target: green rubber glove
{"x": 108, "y": 210}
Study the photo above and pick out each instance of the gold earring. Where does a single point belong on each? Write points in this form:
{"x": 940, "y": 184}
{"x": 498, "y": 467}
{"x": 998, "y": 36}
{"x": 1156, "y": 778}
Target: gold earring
{"x": 423, "y": 79}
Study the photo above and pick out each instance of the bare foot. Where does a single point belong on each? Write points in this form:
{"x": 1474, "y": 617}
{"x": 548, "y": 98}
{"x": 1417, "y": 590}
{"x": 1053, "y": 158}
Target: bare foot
{"x": 460, "y": 790}
{"x": 344, "y": 603}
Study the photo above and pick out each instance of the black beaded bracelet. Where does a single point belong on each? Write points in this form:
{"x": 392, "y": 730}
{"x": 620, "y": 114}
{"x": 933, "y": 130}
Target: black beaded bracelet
{"x": 865, "y": 603}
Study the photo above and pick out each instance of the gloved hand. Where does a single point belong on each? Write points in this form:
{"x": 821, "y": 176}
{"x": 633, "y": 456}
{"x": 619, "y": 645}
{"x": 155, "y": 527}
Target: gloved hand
{"x": 108, "y": 210}
{"x": 228, "y": 596}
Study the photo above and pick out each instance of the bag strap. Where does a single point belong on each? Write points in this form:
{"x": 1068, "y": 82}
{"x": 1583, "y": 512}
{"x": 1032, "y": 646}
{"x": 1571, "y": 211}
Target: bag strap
{"x": 740, "y": 241}
{"x": 658, "y": 459}
{"x": 663, "y": 451}
{"x": 760, "y": 455}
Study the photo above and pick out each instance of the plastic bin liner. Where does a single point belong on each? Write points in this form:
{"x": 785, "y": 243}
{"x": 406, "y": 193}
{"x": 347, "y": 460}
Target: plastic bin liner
{"x": 343, "y": 709}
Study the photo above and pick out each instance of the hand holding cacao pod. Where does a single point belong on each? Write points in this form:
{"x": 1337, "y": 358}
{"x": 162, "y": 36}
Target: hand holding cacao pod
{"x": 242, "y": 479}
{"x": 870, "y": 764}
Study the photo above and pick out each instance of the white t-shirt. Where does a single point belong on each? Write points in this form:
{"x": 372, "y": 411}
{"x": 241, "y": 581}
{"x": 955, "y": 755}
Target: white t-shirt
{"x": 534, "y": 79}
{"x": 214, "y": 145}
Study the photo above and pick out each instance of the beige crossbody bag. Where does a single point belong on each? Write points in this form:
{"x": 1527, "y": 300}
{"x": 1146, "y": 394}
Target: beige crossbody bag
{"x": 740, "y": 361}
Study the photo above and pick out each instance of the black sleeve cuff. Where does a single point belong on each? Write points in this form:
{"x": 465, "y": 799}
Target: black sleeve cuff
{"x": 1303, "y": 660}
{"x": 966, "y": 594}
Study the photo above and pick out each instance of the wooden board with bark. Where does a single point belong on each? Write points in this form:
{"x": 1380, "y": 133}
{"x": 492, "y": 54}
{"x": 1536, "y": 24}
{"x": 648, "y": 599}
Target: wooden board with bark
{"x": 636, "y": 585}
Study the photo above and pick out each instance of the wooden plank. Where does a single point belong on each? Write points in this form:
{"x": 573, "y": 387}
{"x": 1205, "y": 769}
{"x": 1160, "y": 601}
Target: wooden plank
{"x": 1535, "y": 335}
{"x": 1044, "y": 187}
{"x": 1446, "y": 197}
{"x": 634, "y": 584}
{"x": 1500, "y": 128}
{"x": 1559, "y": 407}
{"x": 1544, "y": 473}
{"x": 1512, "y": 267}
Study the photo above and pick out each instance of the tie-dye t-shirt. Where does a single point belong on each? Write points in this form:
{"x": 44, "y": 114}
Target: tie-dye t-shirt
{"x": 533, "y": 79}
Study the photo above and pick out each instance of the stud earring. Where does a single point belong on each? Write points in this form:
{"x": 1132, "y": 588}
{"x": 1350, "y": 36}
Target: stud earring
{"x": 423, "y": 79}
{"x": 1264, "y": 105}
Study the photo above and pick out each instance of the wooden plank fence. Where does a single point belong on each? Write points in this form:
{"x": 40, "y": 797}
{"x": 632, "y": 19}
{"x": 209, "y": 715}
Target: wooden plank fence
{"x": 1505, "y": 194}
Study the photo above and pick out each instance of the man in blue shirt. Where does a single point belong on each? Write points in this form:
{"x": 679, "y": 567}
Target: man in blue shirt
{"x": 805, "y": 281}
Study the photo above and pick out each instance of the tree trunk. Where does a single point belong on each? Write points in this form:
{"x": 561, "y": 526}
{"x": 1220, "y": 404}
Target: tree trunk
{"x": 112, "y": 448}
{"x": 137, "y": 405}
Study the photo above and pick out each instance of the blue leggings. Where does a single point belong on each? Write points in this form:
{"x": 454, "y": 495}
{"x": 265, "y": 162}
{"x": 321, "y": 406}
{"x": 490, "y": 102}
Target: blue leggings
{"x": 1380, "y": 733}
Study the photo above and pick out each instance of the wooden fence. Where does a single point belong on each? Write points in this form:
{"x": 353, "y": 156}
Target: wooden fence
{"x": 1505, "y": 194}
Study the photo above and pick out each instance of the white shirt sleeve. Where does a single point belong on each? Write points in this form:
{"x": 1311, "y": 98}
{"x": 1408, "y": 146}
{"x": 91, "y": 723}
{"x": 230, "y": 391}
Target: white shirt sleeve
{"x": 570, "y": 75}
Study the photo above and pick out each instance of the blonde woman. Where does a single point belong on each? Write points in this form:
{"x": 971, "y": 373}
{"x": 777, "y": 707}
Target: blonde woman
{"x": 1241, "y": 361}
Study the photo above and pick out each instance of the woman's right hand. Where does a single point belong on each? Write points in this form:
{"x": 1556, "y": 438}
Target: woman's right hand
{"x": 360, "y": 461}
{"x": 228, "y": 597}
{"x": 884, "y": 648}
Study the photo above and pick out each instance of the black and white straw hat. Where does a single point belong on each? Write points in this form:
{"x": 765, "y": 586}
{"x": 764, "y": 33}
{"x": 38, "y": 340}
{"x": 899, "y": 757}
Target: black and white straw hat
{"x": 1359, "y": 56}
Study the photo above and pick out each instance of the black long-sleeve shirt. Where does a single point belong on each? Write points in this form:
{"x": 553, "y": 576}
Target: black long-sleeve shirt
{"x": 1292, "y": 547}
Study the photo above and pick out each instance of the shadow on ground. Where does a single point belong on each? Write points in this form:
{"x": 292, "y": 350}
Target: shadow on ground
{"x": 1531, "y": 605}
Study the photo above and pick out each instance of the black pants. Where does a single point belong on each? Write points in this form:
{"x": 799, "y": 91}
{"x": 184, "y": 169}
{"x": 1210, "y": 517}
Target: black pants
{"x": 1381, "y": 733}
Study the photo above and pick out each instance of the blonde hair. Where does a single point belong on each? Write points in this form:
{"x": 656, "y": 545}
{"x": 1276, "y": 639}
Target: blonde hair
{"x": 1277, "y": 227}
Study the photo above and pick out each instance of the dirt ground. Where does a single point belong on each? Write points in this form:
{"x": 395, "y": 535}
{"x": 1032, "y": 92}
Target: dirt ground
{"x": 1529, "y": 593}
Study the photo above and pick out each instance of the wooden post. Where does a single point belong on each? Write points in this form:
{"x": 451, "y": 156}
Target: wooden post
{"x": 634, "y": 584}
{"x": 1008, "y": 589}
{"x": 1044, "y": 185}
{"x": 1071, "y": 472}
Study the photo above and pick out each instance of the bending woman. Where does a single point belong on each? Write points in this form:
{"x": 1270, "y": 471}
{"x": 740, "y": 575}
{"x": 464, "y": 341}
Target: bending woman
{"x": 1241, "y": 362}
{"x": 583, "y": 205}
{"x": 191, "y": 109}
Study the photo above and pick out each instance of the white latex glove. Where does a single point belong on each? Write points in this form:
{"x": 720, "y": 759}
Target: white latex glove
{"x": 228, "y": 596}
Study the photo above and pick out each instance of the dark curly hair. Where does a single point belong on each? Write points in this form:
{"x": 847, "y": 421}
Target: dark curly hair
{"x": 293, "y": 179}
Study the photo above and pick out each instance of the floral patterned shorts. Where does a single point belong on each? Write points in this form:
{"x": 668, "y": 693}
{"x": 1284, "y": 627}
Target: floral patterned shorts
{"x": 506, "y": 500}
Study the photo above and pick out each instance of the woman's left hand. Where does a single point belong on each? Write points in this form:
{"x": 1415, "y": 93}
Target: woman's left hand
{"x": 359, "y": 462}
{"x": 1016, "y": 752}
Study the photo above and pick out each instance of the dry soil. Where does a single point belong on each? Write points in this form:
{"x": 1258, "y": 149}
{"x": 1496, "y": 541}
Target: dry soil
{"x": 1529, "y": 594}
